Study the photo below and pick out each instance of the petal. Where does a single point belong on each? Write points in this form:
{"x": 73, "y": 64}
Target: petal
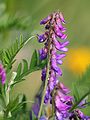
{"x": 41, "y": 38}
{"x": 64, "y": 43}
{"x": 59, "y": 56}
{"x": 43, "y": 118}
{"x": 58, "y": 21}
{"x": 43, "y": 54}
{"x": 59, "y": 116}
{"x": 62, "y": 18}
{"x": 35, "y": 108}
{"x": 59, "y": 62}
{"x": 64, "y": 49}
{"x": 63, "y": 37}
{"x": 45, "y": 20}
{"x": 57, "y": 44}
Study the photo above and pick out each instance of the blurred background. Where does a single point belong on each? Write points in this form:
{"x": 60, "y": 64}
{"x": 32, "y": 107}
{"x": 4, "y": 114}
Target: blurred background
{"x": 77, "y": 16}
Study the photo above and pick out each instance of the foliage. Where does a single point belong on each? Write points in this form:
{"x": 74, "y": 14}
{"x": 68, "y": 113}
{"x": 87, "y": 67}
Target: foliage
{"x": 81, "y": 88}
{"x": 9, "y": 22}
{"x": 7, "y": 105}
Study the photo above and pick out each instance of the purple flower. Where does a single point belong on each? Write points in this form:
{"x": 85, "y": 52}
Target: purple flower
{"x": 35, "y": 108}
{"x": 42, "y": 38}
{"x": 2, "y": 74}
{"x": 54, "y": 29}
{"x": 63, "y": 102}
{"x": 43, "y": 118}
{"x": 43, "y": 53}
{"x": 43, "y": 77}
{"x": 45, "y": 20}
{"x": 47, "y": 96}
{"x": 78, "y": 114}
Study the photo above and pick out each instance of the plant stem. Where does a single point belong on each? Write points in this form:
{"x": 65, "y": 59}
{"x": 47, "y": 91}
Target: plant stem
{"x": 3, "y": 94}
{"x": 47, "y": 78}
{"x": 29, "y": 39}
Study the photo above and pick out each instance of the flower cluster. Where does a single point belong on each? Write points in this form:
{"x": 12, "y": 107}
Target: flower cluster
{"x": 54, "y": 50}
{"x": 2, "y": 74}
{"x": 54, "y": 30}
{"x": 63, "y": 103}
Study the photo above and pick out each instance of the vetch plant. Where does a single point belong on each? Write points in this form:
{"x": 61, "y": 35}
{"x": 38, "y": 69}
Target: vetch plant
{"x": 53, "y": 93}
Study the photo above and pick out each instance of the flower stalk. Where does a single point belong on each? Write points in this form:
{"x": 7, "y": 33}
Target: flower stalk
{"x": 47, "y": 78}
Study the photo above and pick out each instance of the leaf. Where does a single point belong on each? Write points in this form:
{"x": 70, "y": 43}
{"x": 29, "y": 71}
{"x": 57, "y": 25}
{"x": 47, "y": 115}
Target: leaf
{"x": 76, "y": 105}
{"x": 16, "y": 104}
{"x": 84, "y": 80}
{"x": 8, "y": 55}
{"x": 24, "y": 69}
{"x": 75, "y": 93}
{"x": 42, "y": 63}
{"x": 25, "y": 65}
{"x": 19, "y": 69}
{"x": 33, "y": 62}
{"x": 2, "y": 103}
{"x": 7, "y": 22}
{"x": 82, "y": 85}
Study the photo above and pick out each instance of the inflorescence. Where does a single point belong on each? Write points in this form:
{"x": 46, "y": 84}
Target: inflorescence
{"x": 54, "y": 29}
{"x": 55, "y": 50}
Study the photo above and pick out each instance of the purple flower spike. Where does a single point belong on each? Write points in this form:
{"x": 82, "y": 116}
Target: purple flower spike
{"x": 54, "y": 29}
{"x": 62, "y": 101}
{"x": 2, "y": 74}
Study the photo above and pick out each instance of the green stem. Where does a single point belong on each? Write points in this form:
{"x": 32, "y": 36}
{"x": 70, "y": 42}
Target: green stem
{"x": 46, "y": 81}
{"x": 3, "y": 94}
{"x": 75, "y": 105}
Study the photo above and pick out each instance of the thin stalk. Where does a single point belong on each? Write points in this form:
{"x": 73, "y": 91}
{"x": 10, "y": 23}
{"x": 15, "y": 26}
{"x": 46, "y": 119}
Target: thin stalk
{"x": 46, "y": 81}
{"x": 3, "y": 94}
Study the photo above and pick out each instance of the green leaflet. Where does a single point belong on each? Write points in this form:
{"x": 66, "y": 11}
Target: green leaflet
{"x": 82, "y": 84}
{"x": 25, "y": 65}
{"x": 2, "y": 103}
{"x": 7, "y": 22}
{"x": 81, "y": 88}
{"x": 75, "y": 105}
{"x": 75, "y": 93}
{"x": 8, "y": 55}
{"x": 34, "y": 60}
{"x": 24, "y": 68}
{"x": 15, "y": 105}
